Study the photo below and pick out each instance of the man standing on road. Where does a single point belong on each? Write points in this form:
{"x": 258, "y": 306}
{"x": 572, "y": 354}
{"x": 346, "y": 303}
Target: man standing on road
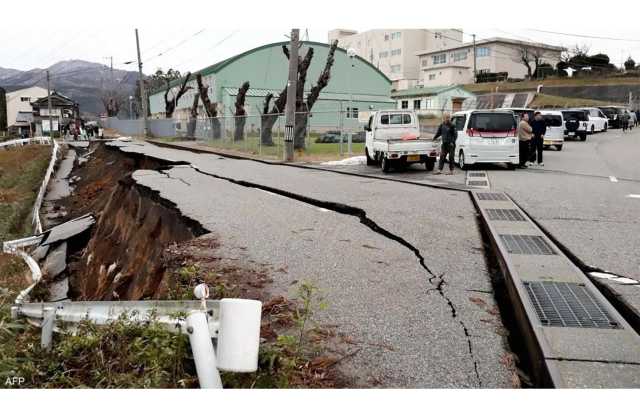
{"x": 539, "y": 128}
{"x": 449, "y": 134}
{"x": 524, "y": 140}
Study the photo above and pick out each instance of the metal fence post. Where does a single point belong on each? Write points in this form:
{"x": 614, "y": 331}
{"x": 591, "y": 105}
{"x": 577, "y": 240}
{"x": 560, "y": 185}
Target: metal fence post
{"x": 48, "y": 322}
{"x": 202, "y": 349}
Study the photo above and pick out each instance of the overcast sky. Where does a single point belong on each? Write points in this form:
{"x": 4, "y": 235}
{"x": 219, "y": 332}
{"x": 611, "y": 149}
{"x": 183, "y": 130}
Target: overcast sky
{"x": 190, "y": 35}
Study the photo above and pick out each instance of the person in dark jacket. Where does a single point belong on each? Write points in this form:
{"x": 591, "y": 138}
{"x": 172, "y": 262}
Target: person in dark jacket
{"x": 449, "y": 134}
{"x": 539, "y": 128}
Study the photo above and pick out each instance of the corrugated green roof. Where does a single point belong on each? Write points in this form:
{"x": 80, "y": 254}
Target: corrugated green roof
{"x": 212, "y": 69}
{"x": 324, "y": 95}
{"x": 424, "y": 91}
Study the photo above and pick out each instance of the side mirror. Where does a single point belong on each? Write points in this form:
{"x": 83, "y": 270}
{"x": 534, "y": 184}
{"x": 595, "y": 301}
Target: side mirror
{"x": 367, "y": 128}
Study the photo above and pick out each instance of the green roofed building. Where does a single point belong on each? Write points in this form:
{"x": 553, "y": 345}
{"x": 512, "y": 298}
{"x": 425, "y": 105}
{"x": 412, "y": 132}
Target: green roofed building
{"x": 432, "y": 100}
{"x": 355, "y": 84}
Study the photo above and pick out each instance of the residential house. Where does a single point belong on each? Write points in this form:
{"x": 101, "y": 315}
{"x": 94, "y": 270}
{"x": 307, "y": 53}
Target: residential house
{"x": 432, "y": 100}
{"x": 455, "y": 64}
{"x": 20, "y": 110}
{"x": 393, "y": 51}
{"x": 64, "y": 111}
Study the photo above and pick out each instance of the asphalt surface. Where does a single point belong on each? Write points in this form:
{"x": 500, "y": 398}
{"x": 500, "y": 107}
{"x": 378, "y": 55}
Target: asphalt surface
{"x": 366, "y": 260}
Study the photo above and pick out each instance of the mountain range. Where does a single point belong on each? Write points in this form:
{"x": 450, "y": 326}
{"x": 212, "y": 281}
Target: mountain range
{"x": 83, "y": 81}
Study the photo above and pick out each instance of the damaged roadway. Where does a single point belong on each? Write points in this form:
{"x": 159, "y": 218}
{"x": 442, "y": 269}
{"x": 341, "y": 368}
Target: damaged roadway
{"x": 402, "y": 267}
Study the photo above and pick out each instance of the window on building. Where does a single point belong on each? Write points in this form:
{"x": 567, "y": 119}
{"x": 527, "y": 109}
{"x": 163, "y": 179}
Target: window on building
{"x": 427, "y": 103}
{"x": 483, "y": 51}
{"x": 25, "y": 99}
{"x": 395, "y": 52}
{"x": 432, "y": 76}
{"x": 386, "y": 36}
{"x": 396, "y": 35}
{"x": 396, "y": 68}
{"x": 404, "y": 104}
{"x": 483, "y": 71}
{"x": 383, "y": 54}
{"x": 439, "y": 59}
{"x": 459, "y": 56}
{"x": 425, "y": 62}
{"x": 352, "y": 113}
{"x": 417, "y": 103}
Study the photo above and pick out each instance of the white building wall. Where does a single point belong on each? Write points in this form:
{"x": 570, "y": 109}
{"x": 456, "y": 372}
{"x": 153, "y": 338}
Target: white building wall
{"x": 15, "y": 103}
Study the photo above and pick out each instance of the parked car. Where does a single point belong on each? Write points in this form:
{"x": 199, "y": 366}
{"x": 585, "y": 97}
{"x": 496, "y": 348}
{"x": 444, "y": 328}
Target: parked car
{"x": 613, "y": 114}
{"x": 333, "y": 137}
{"x": 555, "y": 128}
{"x": 598, "y": 121}
{"x": 393, "y": 139}
{"x": 519, "y": 111}
{"x": 486, "y": 136}
{"x": 576, "y": 122}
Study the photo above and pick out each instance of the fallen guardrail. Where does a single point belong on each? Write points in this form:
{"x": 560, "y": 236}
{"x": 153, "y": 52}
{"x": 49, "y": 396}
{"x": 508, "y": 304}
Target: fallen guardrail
{"x": 234, "y": 323}
{"x": 43, "y": 188}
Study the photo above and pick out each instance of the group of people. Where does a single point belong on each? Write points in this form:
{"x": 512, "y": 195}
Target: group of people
{"x": 83, "y": 132}
{"x": 531, "y": 139}
{"x": 629, "y": 120}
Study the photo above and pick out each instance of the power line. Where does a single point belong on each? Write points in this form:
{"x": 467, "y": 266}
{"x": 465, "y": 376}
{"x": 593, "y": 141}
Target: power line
{"x": 176, "y": 45}
{"x": 584, "y": 36}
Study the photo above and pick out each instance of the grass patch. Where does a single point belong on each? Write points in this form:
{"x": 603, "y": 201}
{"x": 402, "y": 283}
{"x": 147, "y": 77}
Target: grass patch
{"x": 21, "y": 173}
{"x": 549, "y": 101}
{"x": 554, "y": 81}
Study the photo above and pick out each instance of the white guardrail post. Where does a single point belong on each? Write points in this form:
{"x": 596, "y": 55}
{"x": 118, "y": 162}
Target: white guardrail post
{"x": 202, "y": 348}
{"x": 48, "y": 323}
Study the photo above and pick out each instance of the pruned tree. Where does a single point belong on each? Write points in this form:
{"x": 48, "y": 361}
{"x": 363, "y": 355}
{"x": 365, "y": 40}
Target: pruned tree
{"x": 193, "y": 117}
{"x": 170, "y": 105}
{"x": 211, "y": 109}
{"x": 240, "y": 113}
{"x": 112, "y": 101}
{"x": 270, "y": 116}
{"x": 629, "y": 64}
{"x": 303, "y": 108}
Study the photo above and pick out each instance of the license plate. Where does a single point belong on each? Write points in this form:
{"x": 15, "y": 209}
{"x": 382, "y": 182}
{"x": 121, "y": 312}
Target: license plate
{"x": 413, "y": 158}
{"x": 572, "y": 133}
{"x": 548, "y": 142}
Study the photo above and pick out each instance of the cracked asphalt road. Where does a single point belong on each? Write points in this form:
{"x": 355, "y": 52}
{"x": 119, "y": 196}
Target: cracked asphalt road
{"x": 413, "y": 332}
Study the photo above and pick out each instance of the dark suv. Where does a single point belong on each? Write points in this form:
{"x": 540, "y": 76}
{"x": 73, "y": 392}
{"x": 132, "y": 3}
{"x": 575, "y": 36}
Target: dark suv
{"x": 576, "y": 122}
{"x": 614, "y": 114}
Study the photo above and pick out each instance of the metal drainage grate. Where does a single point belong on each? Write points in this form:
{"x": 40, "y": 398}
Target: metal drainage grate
{"x": 562, "y": 304}
{"x": 477, "y": 174}
{"x": 505, "y": 215}
{"x": 491, "y": 196}
{"x": 477, "y": 183}
{"x": 526, "y": 244}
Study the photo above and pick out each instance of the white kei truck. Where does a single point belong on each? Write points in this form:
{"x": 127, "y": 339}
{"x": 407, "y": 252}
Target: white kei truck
{"x": 393, "y": 140}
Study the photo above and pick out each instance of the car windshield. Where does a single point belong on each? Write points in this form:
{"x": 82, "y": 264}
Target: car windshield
{"x": 492, "y": 122}
{"x": 577, "y": 114}
{"x": 553, "y": 120}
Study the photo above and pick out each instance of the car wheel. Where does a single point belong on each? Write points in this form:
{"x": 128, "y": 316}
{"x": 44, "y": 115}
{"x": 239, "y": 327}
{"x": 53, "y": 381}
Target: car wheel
{"x": 559, "y": 147}
{"x": 370, "y": 161}
{"x": 386, "y": 165}
{"x": 430, "y": 164}
{"x": 583, "y": 136}
{"x": 511, "y": 166}
{"x": 461, "y": 163}
{"x": 593, "y": 129}
{"x": 606, "y": 127}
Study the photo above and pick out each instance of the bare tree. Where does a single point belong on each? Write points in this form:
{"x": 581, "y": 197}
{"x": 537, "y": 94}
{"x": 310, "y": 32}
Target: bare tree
{"x": 270, "y": 116}
{"x": 304, "y": 108}
{"x": 193, "y": 117}
{"x": 170, "y": 105}
{"x": 211, "y": 109}
{"x": 112, "y": 101}
{"x": 241, "y": 113}
{"x": 531, "y": 56}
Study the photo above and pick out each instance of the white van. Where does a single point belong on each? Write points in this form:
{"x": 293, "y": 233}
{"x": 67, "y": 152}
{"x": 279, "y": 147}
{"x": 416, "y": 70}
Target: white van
{"x": 555, "y": 128}
{"x": 486, "y": 136}
{"x": 598, "y": 121}
{"x": 393, "y": 139}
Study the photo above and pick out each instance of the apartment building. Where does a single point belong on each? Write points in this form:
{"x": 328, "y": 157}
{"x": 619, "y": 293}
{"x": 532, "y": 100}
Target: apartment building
{"x": 454, "y": 64}
{"x": 394, "y": 51}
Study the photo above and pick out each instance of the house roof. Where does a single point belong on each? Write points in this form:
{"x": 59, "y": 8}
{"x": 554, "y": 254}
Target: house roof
{"x": 492, "y": 41}
{"x": 215, "y": 68}
{"x": 424, "y": 91}
{"x": 55, "y": 96}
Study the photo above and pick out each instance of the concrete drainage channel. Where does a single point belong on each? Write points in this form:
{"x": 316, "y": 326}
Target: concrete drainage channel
{"x": 572, "y": 334}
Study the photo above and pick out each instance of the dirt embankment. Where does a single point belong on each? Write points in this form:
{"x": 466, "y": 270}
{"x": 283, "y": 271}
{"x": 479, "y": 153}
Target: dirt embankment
{"x": 122, "y": 259}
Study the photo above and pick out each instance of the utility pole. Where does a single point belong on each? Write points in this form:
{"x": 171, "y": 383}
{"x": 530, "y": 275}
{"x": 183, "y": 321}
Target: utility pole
{"x": 143, "y": 94}
{"x": 475, "y": 71}
{"x": 290, "y": 112}
{"x": 49, "y": 106}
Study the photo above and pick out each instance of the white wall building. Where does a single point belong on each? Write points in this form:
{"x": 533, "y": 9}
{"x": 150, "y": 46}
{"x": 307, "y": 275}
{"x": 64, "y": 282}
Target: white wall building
{"x": 454, "y": 65}
{"x": 19, "y": 101}
{"x": 394, "y": 51}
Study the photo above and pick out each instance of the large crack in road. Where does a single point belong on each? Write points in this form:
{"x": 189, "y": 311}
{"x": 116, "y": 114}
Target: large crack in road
{"x": 361, "y": 214}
